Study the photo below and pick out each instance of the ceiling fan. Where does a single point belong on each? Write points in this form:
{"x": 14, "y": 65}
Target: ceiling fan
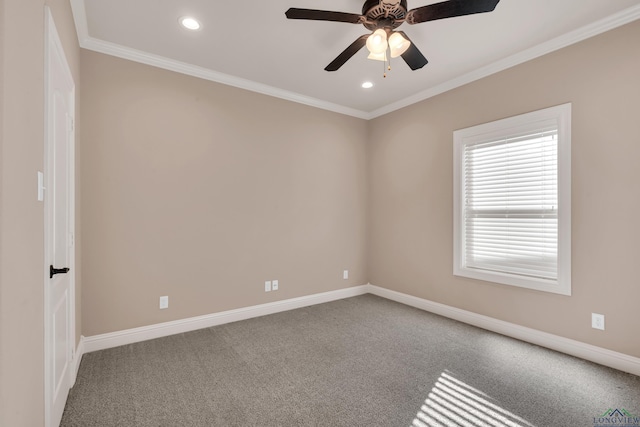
{"x": 383, "y": 17}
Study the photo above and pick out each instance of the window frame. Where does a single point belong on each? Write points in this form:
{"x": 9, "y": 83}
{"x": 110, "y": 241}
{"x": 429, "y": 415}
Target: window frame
{"x": 502, "y": 129}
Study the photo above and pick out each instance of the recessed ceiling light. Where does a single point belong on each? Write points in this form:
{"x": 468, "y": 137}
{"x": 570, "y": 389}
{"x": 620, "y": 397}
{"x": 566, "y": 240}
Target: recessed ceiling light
{"x": 367, "y": 85}
{"x": 189, "y": 23}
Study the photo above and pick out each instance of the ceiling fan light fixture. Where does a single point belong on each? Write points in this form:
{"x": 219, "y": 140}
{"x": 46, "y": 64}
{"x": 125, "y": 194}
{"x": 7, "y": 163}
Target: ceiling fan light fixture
{"x": 377, "y": 42}
{"x": 398, "y": 44}
{"x": 378, "y": 56}
{"x": 189, "y": 23}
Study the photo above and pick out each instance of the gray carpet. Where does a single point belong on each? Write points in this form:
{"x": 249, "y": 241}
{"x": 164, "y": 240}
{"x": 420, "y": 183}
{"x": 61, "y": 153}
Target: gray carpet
{"x": 362, "y": 361}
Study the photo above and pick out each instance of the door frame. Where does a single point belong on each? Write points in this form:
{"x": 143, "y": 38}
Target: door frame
{"x": 53, "y": 49}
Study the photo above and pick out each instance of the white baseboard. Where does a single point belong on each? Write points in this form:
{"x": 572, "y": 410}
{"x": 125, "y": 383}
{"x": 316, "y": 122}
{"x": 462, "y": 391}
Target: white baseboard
{"x": 75, "y": 362}
{"x": 128, "y": 336}
{"x": 602, "y": 356}
{"x": 620, "y": 361}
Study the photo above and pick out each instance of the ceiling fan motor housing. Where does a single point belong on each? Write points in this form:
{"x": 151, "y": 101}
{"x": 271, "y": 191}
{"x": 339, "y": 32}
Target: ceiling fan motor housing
{"x": 384, "y": 14}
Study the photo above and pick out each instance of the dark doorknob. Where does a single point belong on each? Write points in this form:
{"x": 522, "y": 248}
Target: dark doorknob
{"x": 54, "y": 271}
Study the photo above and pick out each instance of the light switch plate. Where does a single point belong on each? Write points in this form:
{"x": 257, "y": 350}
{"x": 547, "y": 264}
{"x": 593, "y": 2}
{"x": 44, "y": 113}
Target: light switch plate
{"x": 40, "y": 186}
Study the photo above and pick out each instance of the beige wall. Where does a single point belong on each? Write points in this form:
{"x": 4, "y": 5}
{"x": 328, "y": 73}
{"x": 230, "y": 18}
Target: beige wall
{"x": 411, "y": 191}
{"x": 201, "y": 192}
{"x": 21, "y": 215}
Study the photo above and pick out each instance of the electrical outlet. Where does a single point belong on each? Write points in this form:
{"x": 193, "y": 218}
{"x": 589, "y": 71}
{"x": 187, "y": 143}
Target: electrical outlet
{"x": 267, "y": 286}
{"x": 164, "y": 302}
{"x": 274, "y": 285}
{"x": 597, "y": 321}
{"x": 345, "y": 274}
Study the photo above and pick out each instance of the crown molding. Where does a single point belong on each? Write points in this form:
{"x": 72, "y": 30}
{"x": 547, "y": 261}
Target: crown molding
{"x": 609, "y": 23}
{"x": 214, "y": 76}
{"x": 113, "y": 49}
{"x": 87, "y": 42}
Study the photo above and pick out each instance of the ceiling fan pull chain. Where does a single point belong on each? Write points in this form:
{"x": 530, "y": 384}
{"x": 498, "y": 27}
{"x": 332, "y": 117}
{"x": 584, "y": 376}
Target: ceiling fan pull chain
{"x": 384, "y": 67}
{"x": 387, "y": 63}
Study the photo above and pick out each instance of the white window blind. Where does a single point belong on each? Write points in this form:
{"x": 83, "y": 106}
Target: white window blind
{"x": 511, "y": 204}
{"x": 512, "y": 201}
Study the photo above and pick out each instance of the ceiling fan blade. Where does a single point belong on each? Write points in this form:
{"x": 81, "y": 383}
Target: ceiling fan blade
{"x": 449, "y": 9}
{"x": 412, "y": 56}
{"x": 347, "y": 53}
{"x": 324, "y": 15}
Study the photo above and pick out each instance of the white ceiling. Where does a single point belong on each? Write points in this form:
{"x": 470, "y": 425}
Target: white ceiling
{"x": 250, "y": 44}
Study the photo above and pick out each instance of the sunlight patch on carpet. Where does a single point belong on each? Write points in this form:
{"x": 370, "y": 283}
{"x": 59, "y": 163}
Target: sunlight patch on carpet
{"x": 453, "y": 403}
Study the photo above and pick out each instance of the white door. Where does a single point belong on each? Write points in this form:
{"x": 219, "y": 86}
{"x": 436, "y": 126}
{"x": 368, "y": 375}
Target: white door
{"x": 59, "y": 228}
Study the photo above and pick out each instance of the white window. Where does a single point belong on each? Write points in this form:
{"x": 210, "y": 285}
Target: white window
{"x": 512, "y": 201}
